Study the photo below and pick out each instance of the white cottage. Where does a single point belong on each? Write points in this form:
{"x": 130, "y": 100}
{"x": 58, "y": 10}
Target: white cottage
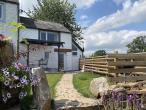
{"x": 9, "y": 12}
{"x": 61, "y": 52}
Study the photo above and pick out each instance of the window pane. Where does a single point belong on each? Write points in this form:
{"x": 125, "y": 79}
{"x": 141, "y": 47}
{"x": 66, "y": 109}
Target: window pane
{"x": 52, "y": 36}
{"x": 74, "y": 53}
{"x": 43, "y": 36}
{"x": 0, "y": 10}
{"x": 46, "y": 55}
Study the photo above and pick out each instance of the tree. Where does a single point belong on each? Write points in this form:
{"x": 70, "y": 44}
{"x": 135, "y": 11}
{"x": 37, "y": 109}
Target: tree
{"x": 99, "y": 53}
{"x": 59, "y": 11}
{"x": 137, "y": 45}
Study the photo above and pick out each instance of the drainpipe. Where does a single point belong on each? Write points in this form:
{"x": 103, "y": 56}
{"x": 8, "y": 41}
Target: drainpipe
{"x": 28, "y": 45}
{"x": 18, "y": 37}
{"x": 59, "y": 52}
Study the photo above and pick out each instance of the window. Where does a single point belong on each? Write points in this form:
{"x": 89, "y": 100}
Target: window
{"x": 74, "y": 50}
{"x": 46, "y": 55}
{"x": 1, "y": 11}
{"x": 43, "y": 36}
{"x": 49, "y": 36}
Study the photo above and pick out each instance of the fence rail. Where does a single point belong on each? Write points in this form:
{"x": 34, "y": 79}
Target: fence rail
{"x": 115, "y": 64}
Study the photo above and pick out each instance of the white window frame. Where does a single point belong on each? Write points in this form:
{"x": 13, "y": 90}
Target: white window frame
{"x": 46, "y": 35}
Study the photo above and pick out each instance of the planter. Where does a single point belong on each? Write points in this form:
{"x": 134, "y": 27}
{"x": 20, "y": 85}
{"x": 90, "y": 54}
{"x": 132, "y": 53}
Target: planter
{"x": 14, "y": 100}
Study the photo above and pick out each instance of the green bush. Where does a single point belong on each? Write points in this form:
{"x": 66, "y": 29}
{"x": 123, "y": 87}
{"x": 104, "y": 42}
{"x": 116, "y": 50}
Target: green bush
{"x": 26, "y": 102}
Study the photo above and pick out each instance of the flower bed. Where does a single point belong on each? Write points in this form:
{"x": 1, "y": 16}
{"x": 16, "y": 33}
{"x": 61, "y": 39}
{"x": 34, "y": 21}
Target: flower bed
{"x": 120, "y": 99}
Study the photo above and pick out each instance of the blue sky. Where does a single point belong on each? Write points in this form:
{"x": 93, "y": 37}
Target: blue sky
{"x": 110, "y": 24}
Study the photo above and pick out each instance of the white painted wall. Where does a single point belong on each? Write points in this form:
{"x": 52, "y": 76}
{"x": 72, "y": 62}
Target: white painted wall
{"x": 10, "y": 15}
{"x": 39, "y": 53}
{"x": 70, "y": 62}
{"x": 75, "y": 59}
{"x": 29, "y": 33}
{"x": 67, "y": 39}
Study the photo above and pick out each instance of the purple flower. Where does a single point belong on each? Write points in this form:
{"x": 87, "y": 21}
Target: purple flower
{"x": 22, "y": 80}
{"x": 4, "y": 69}
{"x": 16, "y": 65}
{"x": 15, "y": 77}
{"x": 8, "y": 95}
{"x": 21, "y": 95}
{"x": 5, "y": 99}
{"x": 6, "y": 73}
{"x": 7, "y": 82}
{"x": 19, "y": 85}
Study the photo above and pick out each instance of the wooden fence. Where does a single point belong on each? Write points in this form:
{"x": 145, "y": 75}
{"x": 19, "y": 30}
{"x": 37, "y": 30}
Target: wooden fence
{"x": 116, "y": 64}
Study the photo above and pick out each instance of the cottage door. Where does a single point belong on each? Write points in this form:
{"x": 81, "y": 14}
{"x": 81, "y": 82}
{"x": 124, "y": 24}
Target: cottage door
{"x": 61, "y": 61}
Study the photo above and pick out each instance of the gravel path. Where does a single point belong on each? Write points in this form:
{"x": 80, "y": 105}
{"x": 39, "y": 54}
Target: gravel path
{"x": 67, "y": 96}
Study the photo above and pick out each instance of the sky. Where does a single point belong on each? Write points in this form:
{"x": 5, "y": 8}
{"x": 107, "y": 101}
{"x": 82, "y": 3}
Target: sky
{"x": 107, "y": 24}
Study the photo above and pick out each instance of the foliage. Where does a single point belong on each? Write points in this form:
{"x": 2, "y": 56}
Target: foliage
{"x": 121, "y": 100}
{"x": 82, "y": 81}
{"x": 59, "y": 11}
{"x": 99, "y": 53}
{"x": 137, "y": 45}
{"x": 26, "y": 102}
{"x": 16, "y": 26}
{"x": 17, "y": 76}
{"x": 53, "y": 79}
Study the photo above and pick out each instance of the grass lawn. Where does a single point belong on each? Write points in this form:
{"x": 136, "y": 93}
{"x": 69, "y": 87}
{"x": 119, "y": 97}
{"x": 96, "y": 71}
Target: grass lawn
{"x": 53, "y": 79}
{"x": 82, "y": 81}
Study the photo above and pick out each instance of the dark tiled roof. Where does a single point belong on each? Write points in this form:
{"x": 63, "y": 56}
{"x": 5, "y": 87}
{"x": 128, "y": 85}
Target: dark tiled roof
{"x": 43, "y": 25}
{"x": 11, "y": 1}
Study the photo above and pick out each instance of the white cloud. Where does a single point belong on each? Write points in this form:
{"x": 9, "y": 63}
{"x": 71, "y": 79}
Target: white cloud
{"x": 83, "y": 17}
{"x": 84, "y": 3}
{"x": 118, "y": 2}
{"x": 131, "y": 13}
{"x": 110, "y": 41}
{"x": 27, "y": 4}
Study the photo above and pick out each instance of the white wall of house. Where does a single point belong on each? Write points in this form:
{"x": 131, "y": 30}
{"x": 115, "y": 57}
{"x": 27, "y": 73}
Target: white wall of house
{"x": 67, "y": 39}
{"x": 10, "y": 14}
{"x": 39, "y": 53}
{"x": 71, "y": 62}
{"x": 29, "y": 33}
{"x": 75, "y": 59}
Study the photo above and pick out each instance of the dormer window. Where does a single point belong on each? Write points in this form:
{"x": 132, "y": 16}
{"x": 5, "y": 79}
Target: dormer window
{"x": 49, "y": 36}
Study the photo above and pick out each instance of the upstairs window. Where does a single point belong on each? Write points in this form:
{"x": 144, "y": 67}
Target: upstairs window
{"x": 74, "y": 50}
{"x": 49, "y": 36}
{"x": 1, "y": 11}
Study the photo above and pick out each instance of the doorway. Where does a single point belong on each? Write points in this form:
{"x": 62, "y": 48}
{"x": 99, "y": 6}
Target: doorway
{"x": 61, "y": 61}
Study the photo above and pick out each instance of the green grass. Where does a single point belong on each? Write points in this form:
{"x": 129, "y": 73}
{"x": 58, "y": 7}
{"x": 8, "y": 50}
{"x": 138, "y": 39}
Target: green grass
{"x": 82, "y": 81}
{"x": 53, "y": 79}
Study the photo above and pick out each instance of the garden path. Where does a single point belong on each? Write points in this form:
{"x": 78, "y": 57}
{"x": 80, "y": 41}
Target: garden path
{"x": 67, "y": 96}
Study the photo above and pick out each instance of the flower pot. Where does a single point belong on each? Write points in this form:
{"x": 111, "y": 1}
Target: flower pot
{"x": 14, "y": 100}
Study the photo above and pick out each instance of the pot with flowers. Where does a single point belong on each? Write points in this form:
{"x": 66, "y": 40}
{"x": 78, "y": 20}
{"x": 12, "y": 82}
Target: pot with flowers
{"x": 16, "y": 82}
